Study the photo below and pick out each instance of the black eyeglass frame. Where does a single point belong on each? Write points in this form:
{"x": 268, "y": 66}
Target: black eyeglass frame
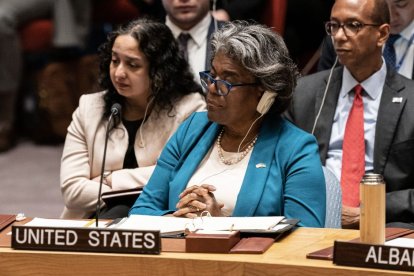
{"x": 229, "y": 86}
{"x": 345, "y": 27}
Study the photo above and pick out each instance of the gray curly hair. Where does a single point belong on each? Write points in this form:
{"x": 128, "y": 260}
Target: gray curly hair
{"x": 263, "y": 53}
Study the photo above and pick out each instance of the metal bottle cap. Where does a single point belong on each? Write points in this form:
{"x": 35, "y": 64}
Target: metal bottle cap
{"x": 372, "y": 179}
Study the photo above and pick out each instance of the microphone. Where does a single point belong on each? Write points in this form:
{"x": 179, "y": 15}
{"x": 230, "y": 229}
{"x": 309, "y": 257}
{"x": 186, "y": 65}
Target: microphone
{"x": 113, "y": 121}
{"x": 115, "y": 116}
{"x": 214, "y": 19}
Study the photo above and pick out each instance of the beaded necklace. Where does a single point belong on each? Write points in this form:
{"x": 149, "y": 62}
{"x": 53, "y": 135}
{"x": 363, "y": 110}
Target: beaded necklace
{"x": 240, "y": 156}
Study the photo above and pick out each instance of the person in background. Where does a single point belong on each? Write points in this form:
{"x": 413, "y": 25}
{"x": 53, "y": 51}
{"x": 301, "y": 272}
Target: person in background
{"x": 14, "y": 14}
{"x": 71, "y": 19}
{"x": 362, "y": 112}
{"x": 240, "y": 158}
{"x": 143, "y": 71}
{"x": 401, "y": 40}
{"x": 192, "y": 22}
{"x": 192, "y": 25}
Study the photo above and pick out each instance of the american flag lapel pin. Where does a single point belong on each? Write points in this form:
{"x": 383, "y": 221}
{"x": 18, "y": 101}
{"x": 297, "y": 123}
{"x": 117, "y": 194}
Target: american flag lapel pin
{"x": 397, "y": 99}
{"x": 260, "y": 165}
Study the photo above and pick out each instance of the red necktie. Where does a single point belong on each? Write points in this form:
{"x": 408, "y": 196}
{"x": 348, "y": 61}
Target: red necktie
{"x": 353, "y": 155}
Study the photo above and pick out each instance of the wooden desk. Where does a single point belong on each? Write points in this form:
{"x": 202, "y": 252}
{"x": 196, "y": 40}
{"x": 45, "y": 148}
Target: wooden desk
{"x": 285, "y": 257}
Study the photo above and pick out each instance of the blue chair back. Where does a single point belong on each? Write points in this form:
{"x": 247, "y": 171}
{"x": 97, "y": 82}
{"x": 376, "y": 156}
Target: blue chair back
{"x": 333, "y": 200}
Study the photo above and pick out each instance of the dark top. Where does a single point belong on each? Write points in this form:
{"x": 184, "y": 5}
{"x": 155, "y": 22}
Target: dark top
{"x": 130, "y": 160}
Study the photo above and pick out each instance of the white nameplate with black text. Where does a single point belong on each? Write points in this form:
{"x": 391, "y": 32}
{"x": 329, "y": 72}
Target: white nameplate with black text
{"x": 86, "y": 239}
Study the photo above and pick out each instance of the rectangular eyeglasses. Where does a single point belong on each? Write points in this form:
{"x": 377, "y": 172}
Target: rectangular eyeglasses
{"x": 349, "y": 28}
{"x": 222, "y": 87}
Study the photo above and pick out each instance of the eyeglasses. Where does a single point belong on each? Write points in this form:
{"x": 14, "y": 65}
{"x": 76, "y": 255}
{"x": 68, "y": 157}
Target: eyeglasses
{"x": 349, "y": 28}
{"x": 222, "y": 87}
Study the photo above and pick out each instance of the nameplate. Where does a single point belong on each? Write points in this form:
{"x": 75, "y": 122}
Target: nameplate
{"x": 373, "y": 256}
{"x": 86, "y": 239}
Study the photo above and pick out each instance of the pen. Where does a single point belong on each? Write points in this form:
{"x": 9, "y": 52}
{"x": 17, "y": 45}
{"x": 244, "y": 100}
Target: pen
{"x": 89, "y": 223}
{"x": 173, "y": 234}
{"x": 273, "y": 226}
{"x": 116, "y": 222}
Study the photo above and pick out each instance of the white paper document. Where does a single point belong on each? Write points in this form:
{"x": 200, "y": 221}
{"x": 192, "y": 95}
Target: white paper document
{"x": 403, "y": 242}
{"x": 173, "y": 224}
{"x": 64, "y": 223}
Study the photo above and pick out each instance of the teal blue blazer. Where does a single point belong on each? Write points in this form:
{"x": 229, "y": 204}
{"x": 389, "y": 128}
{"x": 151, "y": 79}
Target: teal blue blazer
{"x": 284, "y": 175}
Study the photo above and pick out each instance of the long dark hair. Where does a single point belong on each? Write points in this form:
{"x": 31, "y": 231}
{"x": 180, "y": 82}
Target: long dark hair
{"x": 169, "y": 72}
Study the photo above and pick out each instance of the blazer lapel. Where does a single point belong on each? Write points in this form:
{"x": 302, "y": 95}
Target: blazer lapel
{"x": 257, "y": 170}
{"x": 324, "y": 124}
{"x": 391, "y": 105}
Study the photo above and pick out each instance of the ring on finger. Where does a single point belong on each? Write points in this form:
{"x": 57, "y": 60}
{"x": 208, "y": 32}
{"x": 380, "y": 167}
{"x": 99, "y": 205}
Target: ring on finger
{"x": 191, "y": 207}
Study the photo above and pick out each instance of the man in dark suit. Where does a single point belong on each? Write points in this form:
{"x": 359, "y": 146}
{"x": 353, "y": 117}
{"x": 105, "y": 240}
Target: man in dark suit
{"x": 323, "y": 106}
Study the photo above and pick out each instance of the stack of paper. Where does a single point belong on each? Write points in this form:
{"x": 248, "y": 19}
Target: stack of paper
{"x": 168, "y": 224}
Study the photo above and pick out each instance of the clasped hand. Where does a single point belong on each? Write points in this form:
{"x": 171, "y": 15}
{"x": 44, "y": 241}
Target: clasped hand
{"x": 350, "y": 217}
{"x": 196, "y": 199}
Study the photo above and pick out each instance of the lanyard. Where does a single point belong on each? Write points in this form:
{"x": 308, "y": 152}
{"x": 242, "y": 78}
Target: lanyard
{"x": 398, "y": 66}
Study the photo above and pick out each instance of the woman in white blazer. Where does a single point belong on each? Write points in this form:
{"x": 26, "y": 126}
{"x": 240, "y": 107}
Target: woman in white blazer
{"x": 143, "y": 71}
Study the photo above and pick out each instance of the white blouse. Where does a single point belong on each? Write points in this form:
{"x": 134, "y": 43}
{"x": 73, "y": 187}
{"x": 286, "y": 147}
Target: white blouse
{"x": 226, "y": 178}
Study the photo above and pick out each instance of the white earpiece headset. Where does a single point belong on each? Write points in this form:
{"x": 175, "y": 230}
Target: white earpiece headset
{"x": 324, "y": 96}
{"x": 266, "y": 101}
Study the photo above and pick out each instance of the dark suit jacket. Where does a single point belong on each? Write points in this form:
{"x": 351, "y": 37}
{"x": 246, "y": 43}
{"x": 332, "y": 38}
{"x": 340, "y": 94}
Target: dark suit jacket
{"x": 211, "y": 30}
{"x": 394, "y": 139}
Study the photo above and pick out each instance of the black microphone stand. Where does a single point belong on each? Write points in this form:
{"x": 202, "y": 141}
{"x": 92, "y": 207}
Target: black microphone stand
{"x": 114, "y": 112}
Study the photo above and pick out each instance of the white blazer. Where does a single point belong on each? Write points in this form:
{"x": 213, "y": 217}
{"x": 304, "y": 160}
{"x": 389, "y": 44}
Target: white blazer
{"x": 84, "y": 145}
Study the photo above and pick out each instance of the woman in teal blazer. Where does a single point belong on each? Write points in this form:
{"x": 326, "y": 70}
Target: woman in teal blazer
{"x": 242, "y": 144}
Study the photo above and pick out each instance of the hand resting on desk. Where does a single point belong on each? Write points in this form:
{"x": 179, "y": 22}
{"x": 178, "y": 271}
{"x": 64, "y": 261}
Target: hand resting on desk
{"x": 350, "y": 217}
